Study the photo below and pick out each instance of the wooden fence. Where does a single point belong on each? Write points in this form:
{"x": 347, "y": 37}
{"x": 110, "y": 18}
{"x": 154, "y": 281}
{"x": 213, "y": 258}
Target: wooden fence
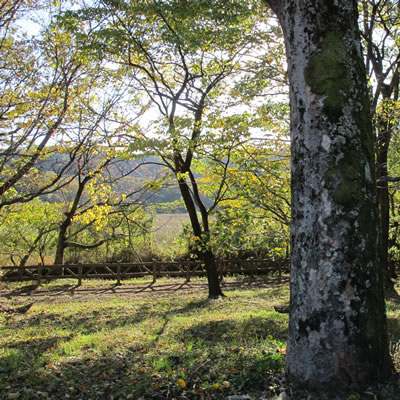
{"x": 122, "y": 271}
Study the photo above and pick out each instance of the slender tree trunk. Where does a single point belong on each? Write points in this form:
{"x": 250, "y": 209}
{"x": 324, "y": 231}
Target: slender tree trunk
{"x": 385, "y": 127}
{"x": 393, "y": 237}
{"x": 31, "y": 249}
{"x": 25, "y": 258}
{"x": 337, "y": 328}
{"x": 69, "y": 215}
{"x": 62, "y": 238}
{"x": 382, "y": 100}
{"x": 205, "y": 253}
{"x": 383, "y": 142}
{"x": 214, "y": 288}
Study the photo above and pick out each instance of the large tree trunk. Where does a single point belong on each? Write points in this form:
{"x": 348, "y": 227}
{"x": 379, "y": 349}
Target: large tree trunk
{"x": 337, "y": 329}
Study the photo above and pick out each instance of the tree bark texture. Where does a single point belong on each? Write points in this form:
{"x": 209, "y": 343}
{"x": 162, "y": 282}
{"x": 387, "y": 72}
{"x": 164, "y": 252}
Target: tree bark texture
{"x": 337, "y": 329}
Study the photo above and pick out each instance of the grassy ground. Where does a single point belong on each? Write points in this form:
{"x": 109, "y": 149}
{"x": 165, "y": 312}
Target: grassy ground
{"x": 104, "y": 342}
{"x": 144, "y": 341}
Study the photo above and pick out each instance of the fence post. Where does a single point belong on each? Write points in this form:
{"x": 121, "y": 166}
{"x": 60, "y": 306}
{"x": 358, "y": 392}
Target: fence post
{"x": 80, "y": 272}
{"x": 280, "y": 272}
{"x": 249, "y": 265}
{"x": 154, "y": 271}
{"x": 39, "y": 275}
{"x": 118, "y": 274}
{"x": 188, "y": 271}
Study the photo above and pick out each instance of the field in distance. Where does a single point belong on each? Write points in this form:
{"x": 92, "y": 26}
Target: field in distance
{"x": 167, "y": 227}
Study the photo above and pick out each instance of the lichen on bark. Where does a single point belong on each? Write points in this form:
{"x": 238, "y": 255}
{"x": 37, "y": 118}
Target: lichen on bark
{"x": 326, "y": 73}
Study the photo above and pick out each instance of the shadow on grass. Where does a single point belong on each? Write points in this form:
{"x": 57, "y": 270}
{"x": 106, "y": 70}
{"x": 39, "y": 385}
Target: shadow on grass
{"x": 108, "y": 318}
{"x": 394, "y": 329}
{"x": 225, "y": 331}
{"x": 205, "y": 357}
{"x": 37, "y": 346}
{"x": 81, "y": 322}
{"x": 192, "y": 306}
{"x": 24, "y": 290}
{"x": 24, "y": 357}
{"x": 256, "y": 281}
{"x": 35, "y": 291}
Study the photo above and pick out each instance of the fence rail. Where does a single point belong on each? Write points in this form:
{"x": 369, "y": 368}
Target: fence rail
{"x": 120, "y": 271}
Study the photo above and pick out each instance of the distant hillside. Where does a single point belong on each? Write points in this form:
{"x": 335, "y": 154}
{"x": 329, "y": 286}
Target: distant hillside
{"x": 143, "y": 170}
{"x": 143, "y": 167}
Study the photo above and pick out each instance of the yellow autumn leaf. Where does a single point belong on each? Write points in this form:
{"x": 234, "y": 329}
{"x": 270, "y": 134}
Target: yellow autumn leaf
{"x": 181, "y": 383}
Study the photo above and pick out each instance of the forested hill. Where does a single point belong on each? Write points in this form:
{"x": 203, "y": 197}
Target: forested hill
{"x": 126, "y": 176}
{"x": 146, "y": 167}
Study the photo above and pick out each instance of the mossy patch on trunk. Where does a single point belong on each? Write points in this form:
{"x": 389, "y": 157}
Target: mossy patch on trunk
{"x": 326, "y": 73}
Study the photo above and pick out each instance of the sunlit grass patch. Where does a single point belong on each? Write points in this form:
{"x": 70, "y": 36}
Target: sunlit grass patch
{"x": 142, "y": 345}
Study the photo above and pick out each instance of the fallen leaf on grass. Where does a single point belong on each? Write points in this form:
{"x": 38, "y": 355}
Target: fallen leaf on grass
{"x": 181, "y": 383}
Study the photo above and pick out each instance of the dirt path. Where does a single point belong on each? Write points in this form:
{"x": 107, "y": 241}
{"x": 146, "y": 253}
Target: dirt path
{"x": 26, "y": 293}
